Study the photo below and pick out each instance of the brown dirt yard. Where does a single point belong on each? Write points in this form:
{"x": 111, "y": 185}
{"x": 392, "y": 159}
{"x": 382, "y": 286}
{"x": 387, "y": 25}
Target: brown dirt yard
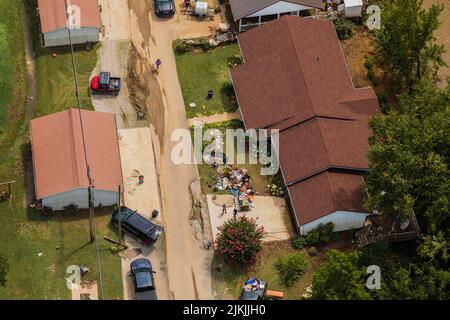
{"x": 443, "y": 34}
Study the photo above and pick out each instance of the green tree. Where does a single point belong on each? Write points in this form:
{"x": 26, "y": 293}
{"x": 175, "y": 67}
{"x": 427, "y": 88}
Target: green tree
{"x": 3, "y": 270}
{"x": 341, "y": 278}
{"x": 239, "y": 240}
{"x": 409, "y": 158}
{"x": 405, "y": 45}
{"x": 291, "y": 267}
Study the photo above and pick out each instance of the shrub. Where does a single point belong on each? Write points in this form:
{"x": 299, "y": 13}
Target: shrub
{"x": 370, "y": 73}
{"x": 291, "y": 267}
{"x": 312, "y": 251}
{"x": 299, "y": 242}
{"x": 228, "y": 89}
{"x": 235, "y": 61}
{"x": 239, "y": 240}
{"x": 344, "y": 28}
{"x": 323, "y": 233}
{"x": 71, "y": 209}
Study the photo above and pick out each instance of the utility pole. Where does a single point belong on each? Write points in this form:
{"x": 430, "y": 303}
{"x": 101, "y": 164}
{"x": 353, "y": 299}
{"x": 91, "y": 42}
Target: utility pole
{"x": 120, "y": 215}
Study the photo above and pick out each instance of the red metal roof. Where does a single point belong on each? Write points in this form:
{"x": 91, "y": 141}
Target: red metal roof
{"x": 295, "y": 79}
{"x": 54, "y": 17}
{"x": 58, "y": 157}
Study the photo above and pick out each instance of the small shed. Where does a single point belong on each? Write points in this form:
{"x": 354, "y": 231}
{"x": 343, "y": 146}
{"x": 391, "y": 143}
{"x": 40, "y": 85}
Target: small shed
{"x": 86, "y": 22}
{"x": 59, "y": 164}
{"x": 351, "y": 8}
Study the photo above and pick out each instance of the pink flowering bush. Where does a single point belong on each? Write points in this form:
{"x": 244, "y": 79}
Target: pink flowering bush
{"x": 239, "y": 240}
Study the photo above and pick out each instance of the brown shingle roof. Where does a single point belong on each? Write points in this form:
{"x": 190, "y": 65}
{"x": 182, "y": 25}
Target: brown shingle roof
{"x": 243, "y": 8}
{"x": 326, "y": 193}
{"x": 58, "y": 157}
{"x": 295, "y": 79}
{"x": 53, "y": 14}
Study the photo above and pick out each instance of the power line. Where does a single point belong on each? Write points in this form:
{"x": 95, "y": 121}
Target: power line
{"x": 92, "y": 224}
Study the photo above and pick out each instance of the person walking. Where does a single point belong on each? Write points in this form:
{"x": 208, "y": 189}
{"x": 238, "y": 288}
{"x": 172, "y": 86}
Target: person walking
{"x": 224, "y": 209}
{"x": 235, "y": 212}
{"x": 158, "y": 63}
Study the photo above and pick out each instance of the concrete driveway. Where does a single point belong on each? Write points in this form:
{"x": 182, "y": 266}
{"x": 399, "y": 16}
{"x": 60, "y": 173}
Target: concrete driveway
{"x": 136, "y": 151}
{"x": 272, "y": 213}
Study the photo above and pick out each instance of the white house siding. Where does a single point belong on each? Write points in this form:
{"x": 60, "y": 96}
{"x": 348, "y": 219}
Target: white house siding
{"x": 279, "y": 7}
{"x": 79, "y": 36}
{"x": 343, "y": 220}
{"x": 79, "y": 197}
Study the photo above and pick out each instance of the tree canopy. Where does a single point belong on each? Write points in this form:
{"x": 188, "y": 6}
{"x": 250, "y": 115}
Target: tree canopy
{"x": 409, "y": 158}
{"x": 405, "y": 45}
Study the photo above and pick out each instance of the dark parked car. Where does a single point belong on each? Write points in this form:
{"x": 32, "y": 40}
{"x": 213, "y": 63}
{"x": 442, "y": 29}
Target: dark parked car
{"x": 143, "y": 281}
{"x": 136, "y": 225}
{"x": 164, "y": 8}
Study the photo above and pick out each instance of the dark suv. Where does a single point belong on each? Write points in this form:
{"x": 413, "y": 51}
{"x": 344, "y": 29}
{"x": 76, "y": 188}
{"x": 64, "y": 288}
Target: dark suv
{"x": 164, "y": 8}
{"x": 136, "y": 225}
{"x": 143, "y": 281}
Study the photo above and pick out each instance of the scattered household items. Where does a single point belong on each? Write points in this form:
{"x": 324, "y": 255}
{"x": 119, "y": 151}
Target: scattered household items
{"x": 5, "y": 190}
{"x": 104, "y": 84}
{"x": 56, "y": 144}
{"x": 384, "y": 227}
{"x": 254, "y": 289}
{"x": 137, "y": 225}
{"x": 164, "y": 8}
{"x": 53, "y": 18}
{"x": 224, "y": 27}
{"x": 350, "y": 8}
{"x": 141, "y": 272}
{"x": 272, "y": 294}
{"x": 192, "y": 105}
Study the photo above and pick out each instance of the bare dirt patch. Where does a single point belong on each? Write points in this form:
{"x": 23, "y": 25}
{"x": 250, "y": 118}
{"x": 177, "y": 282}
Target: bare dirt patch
{"x": 355, "y": 50}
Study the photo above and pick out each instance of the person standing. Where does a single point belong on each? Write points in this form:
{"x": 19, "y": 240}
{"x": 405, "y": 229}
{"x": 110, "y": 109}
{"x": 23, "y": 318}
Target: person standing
{"x": 235, "y": 213}
{"x": 224, "y": 209}
{"x": 158, "y": 63}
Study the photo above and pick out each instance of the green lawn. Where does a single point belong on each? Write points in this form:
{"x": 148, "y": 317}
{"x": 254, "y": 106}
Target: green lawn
{"x": 55, "y": 83}
{"x": 199, "y": 72}
{"x": 24, "y": 233}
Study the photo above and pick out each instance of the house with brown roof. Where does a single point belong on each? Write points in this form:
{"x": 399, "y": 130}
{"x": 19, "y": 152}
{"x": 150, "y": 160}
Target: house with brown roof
{"x": 85, "y": 21}
{"x": 59, "y": 163}
{"x": 295, "y": 79}
{"x": 252, "y": 13}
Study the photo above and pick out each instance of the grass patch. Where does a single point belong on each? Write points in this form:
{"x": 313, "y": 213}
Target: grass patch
{"x": 23, "y": 232}
{"x": 54, "y": 77}
{"x": 199, "y": 72}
